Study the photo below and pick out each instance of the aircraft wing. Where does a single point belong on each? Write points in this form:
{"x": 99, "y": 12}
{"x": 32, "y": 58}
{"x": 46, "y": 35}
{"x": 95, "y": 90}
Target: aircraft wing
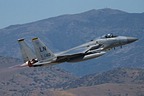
{"x": 78, "y": 51}
{"x": 82, "y": 49}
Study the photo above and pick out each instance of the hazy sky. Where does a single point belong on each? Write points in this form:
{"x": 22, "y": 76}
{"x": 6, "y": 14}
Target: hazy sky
{"x": 24, "y": 11}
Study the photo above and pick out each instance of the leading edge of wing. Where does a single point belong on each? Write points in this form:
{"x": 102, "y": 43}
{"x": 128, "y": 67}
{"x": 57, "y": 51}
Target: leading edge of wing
{"x": 76, "y": 50}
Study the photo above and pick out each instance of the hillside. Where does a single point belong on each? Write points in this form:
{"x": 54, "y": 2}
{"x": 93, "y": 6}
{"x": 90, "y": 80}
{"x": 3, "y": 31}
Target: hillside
{"x": 56, "y": 82}
{"x": 29, "y": 81}
{"x": 117, "y": 82}
{"x": 119, "y": 76}
{"x": 6, "y": 62}
{"x": 108, "y": 89}
{"x": 67, "y": 31}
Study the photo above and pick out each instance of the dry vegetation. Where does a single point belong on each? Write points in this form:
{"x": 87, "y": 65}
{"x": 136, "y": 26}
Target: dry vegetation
{"x": 105, "y": 90}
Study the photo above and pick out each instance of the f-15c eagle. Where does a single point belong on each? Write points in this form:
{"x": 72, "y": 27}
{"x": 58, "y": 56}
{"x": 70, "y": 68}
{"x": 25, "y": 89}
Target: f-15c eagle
{"x": 93, "y": 49}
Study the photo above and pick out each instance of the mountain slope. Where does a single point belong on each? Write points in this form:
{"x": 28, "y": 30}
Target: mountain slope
{"x": 66, "y": 31}
{"x": 105, "y": 90}
{"x": 119, "y": 76}
{"x": 6, "y": 62}
{"x": 30, "y": 81}
{"x": 45, "y": 81}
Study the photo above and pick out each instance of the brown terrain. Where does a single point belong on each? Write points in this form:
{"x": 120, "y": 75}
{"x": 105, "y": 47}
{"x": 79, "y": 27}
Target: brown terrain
{"x": 52, "y": 81}
{"x": 30, "y": 81}
{"x": 108, "y": 89}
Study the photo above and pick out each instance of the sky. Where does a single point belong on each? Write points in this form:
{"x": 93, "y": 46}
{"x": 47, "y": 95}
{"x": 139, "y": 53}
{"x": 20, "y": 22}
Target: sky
{"x": 25, "y": 11}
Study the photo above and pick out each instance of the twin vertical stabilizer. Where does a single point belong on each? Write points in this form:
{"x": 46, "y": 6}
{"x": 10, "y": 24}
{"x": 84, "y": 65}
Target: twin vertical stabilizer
{"x": 26, "y": 51}
{"x": 42, "y": 51}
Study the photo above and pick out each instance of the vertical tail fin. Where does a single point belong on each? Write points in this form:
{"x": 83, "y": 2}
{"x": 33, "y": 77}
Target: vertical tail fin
{"x": 26, "y": 51}
{"x": 42, "y": 51}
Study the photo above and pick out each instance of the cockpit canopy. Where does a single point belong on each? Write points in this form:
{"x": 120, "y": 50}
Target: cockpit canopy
{"x": 109, "y": 36}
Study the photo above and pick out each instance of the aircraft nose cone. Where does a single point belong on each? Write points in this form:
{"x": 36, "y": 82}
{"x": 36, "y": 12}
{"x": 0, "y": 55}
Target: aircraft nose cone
{"x": 131, "y": 39}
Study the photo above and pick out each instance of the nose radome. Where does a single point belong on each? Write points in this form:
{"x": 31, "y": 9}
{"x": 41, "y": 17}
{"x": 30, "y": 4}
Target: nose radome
{"x": 131, "y": 39}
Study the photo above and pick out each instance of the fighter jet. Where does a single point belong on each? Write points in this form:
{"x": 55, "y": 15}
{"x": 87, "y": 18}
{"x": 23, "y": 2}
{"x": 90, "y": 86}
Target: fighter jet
{"x": 43, "y": 56}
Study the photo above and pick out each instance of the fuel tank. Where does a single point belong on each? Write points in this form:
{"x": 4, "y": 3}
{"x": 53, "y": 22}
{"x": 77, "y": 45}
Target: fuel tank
{"x": 94, "y": 55}
{"x": 86, "y": 57}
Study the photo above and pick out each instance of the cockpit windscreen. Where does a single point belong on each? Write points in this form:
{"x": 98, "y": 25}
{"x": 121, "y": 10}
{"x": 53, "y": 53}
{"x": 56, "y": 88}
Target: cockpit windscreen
{"x": 109, "y": 36}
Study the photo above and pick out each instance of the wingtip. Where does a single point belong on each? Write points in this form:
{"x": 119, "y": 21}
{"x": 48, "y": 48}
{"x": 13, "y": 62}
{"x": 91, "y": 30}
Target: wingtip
{"x": 35, "y": 38}
{"x": 21, "y": 39}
